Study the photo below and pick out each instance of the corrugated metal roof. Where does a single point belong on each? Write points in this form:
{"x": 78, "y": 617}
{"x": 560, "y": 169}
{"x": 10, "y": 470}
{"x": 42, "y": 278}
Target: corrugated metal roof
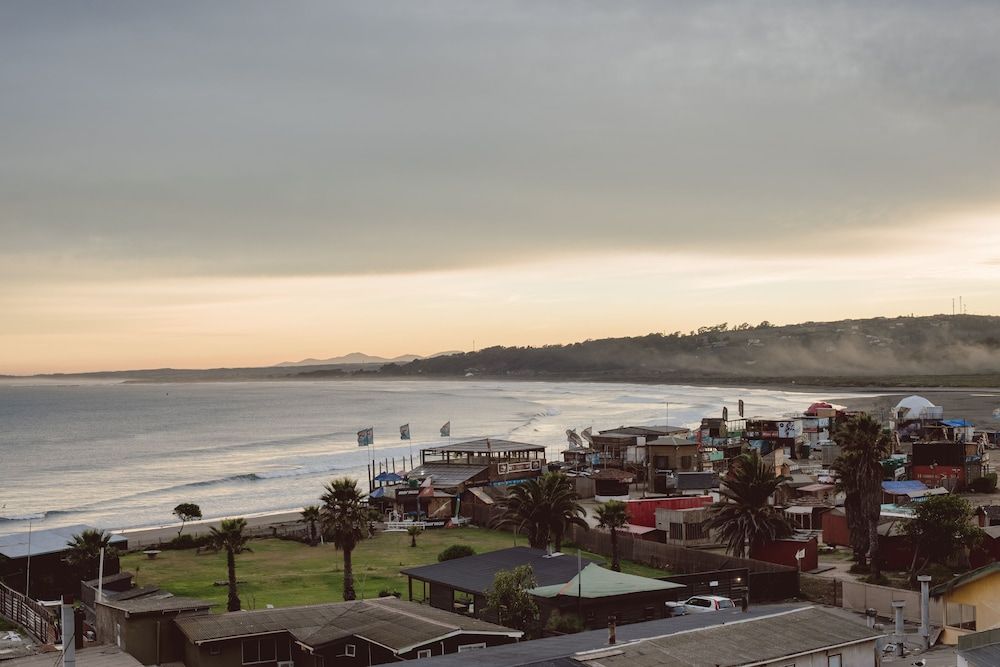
{"x": 903, "y": 487}
{"x": 740, "y": 643}
{"x": 486, "y": 445}
{"x": 47, "y": 541}
{"x": 446, "y": 475}
{"x": 157, "y": 604}
{"x": 983, "y": 656}
{"x": 392, "y": 623}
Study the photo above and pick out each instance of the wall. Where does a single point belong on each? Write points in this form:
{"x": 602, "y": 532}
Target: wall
{"x": 643, "y": 512}
{"x": 858, "y": 597}
{"x": 230, "y": 652}
{"x": 857, "y": 655}
{"x": 783, "y": 552}
{"x": 984, "y": 595}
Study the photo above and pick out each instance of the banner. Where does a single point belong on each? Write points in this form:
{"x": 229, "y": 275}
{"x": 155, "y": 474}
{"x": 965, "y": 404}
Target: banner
{"x": 741, "y": 407}
{"x": 446, "y": 429}
{"x": 366, "y": 437}
{"x": 404, "y": 432}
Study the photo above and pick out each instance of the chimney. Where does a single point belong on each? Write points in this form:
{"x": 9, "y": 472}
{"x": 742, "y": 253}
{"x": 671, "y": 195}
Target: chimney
{"x": 612, "y": 639}
{"x": 925, "y": 609}
{"x": 897, "y": 607}
{"x": 68, "y": 632}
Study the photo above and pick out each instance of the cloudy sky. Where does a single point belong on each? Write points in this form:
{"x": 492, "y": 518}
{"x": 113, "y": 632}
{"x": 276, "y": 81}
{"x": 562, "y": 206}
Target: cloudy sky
{"x": 198, "y": 184}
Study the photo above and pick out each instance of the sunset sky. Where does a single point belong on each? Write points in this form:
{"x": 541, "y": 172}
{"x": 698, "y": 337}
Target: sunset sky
{"x": 195, "y": 184}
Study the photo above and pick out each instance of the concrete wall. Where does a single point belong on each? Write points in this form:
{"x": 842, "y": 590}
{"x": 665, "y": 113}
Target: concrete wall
{"x": 857, "y": 655}
{"x": 859, "y": 597}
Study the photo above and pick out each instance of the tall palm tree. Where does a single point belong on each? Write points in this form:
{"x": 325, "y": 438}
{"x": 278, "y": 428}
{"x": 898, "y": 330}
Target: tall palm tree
{"x": 743, "y": 517}
{"x": 612, "y": 515}
{"x": 310, "y": 515}
{"x": 863, "y": 447}
{"x": 345, "y": 519}
{"x": 543, "y": 508}
{"x": 84, "y": 553}
{"x": 229, "y": 536}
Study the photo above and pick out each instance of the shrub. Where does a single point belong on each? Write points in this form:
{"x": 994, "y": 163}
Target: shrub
{"x": 456, "y": 551}
{"x": 385, "y": 593}
{"x": 186, "y": 541}
{"x": 566, "y": 624}
{"x": 985, "y": 484}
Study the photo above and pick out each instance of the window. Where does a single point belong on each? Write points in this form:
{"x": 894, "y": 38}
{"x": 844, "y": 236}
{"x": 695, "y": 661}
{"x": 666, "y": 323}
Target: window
{"x": 676, "y": 530}
{"x": 695, "y": 531}
{"x": 350, "y": 650}
{"x": 686, "y": 462}
{"x": 259, "y": 650}
{"x": 725, "y": 604}
{"x": 961, "y": 616}
{"x": 215, "y": 649}
{"x": 471, "y": 647}
{"x": 423, "y": 653}
{"x": 834, "y": 661}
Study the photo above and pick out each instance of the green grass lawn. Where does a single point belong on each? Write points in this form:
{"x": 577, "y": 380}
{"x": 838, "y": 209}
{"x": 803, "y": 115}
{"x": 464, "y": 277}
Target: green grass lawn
{"x": 285, "y": 573}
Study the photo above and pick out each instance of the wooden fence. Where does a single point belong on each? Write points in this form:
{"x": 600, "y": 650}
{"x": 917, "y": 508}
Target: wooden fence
{"x": 30, "y": 615}
{"x": 767, "y": 581}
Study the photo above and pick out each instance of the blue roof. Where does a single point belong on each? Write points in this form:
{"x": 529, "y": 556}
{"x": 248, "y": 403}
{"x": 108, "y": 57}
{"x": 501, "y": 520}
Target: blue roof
{"x": 957, "y": 423}
{"x": 377, "y": 493}
{"x": 388, "y": 477}
{"x": 906, "y": 486}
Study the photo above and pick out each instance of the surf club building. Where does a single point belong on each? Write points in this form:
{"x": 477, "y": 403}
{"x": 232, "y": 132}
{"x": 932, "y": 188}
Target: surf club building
{"x": 471, "y": 472}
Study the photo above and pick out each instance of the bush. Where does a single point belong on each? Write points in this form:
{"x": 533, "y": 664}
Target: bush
{"x": 985, "y": 484}
{"x": 566, "y": 624}
{"x": 386, "y": 593}
{"x": 456, "y": 551}
{"x": 185, "y": 542}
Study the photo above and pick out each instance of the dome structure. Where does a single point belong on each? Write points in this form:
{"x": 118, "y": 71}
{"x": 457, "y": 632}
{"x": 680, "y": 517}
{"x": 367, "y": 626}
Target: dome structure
{"x": 915, "y": 407}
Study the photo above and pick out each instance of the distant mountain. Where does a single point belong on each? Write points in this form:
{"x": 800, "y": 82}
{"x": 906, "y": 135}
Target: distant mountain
{"x": 934, "y": 350}
{"x": 360, "y": 358}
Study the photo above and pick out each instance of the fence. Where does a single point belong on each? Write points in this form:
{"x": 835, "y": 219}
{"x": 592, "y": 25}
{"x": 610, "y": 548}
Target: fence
{"x": 825, "y": 590}
{"x": 859, "y": 596}
{"x": 30, "y": 615}
{"x": 767, "y": 581}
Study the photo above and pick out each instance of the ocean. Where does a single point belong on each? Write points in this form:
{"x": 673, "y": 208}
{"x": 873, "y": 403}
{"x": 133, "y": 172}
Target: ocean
{"x": 119, "y": 455}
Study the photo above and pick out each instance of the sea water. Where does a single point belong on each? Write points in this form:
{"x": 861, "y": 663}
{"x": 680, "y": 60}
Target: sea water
{"x": 117, "y": 455}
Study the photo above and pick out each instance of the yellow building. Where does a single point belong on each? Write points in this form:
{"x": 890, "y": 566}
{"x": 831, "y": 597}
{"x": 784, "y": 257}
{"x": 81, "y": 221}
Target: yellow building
{"x": 970, "y": 601}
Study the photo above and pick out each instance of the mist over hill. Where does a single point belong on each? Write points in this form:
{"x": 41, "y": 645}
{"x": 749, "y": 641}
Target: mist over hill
{"x": 881, "y": 349}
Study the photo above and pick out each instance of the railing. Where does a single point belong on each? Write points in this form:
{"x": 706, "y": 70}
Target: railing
{"x": 30, "y": 615}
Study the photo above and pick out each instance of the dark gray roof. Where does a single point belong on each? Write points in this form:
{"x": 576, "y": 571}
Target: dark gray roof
{"x": 474, "y": 574}
{"x": 93, "y": 656}
{"x": 656, "y": 430}
{"x": 740, "y": 643}
{"x": 486, "y": 445}
{"x": 392, "y": 623}
{"x": 47, "y": 541}
{"x": 445, "y": 475}
{"x": 553, "y": 651}
{"x": 157, "y": 603}
{"x": 982, "y": 656}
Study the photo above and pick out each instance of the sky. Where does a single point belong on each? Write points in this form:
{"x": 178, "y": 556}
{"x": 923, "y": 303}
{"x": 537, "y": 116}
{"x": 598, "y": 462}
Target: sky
{"x": 194, "y": 184}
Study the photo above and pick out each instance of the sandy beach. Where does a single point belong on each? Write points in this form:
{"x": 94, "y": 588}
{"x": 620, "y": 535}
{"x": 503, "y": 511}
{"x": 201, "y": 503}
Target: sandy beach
{"x": 261, "y": 523}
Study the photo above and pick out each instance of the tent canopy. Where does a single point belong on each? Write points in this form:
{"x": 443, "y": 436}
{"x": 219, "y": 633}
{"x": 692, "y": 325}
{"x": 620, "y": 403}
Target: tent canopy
{"x": 595, "y": 581}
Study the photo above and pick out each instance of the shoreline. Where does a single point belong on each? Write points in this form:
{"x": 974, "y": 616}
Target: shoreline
{"x": 257, "y": 523}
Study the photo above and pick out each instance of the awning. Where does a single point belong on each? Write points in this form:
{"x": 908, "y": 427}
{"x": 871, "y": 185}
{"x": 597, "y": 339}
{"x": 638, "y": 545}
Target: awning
{"x": 481, "y": 495}
{"x": 816, "y": 488}
{"x": 938, "y": 491}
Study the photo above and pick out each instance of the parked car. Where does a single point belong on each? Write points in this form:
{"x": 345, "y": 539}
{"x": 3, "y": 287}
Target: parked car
{"x": 700, "y": 604}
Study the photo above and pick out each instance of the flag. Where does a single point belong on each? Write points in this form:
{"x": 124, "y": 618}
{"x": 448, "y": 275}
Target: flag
{"x": 366, "y": 436}
{"x": 725, "y": 413}
{"x": 446, "y": 430}
{"x": 404, "y": 432}
{"x": 741, "y": 407}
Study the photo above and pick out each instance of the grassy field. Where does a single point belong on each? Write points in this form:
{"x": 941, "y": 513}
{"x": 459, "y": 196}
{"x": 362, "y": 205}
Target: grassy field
{"x": 285, "y": 573}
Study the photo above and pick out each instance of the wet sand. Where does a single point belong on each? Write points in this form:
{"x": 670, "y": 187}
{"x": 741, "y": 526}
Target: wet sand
{"x": 976, "y": 406}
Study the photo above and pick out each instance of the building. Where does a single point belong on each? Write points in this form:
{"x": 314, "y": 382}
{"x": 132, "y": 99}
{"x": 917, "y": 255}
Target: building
{"x": 93, "y": 656}
{"x": 767, "y": 434}
{"x": 596, "y": 593}
{"x": 560, "y": 649}
{"x": 625, "y": 446}
{"x": 666, "y": 456}
{"x": 461, "y": 584}
{"x": 809, "y": 636}
{"x": 971, "y": 602}
{"x": 447, "y": 471}
{"x": 784, "y": 551}
{"x": 684, "y": 527}
{"x": 348, "y": 634}
{"x": 46, "y": 551}
{"x": 979, "y": 649}
{"x": 945, "y": 464}
{"x": 144, "y": 626}
{"x": 642, "y": 512}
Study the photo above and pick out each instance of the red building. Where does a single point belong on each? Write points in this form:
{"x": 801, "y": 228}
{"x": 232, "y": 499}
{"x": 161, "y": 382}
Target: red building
{"x": 783, "y": 552}
{"x": 643, "y": 512}
{"x": 951, "y": 465}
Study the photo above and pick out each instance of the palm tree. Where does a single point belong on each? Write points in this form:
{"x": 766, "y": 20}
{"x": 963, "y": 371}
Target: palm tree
{"x": 413, "y": 531}
{"x": 84, "y": 553}
{"x": 229, "y": 536}
{"x": 612, "y": 515}
{"x": 310, "y": 515}
{"x": 345, "y": 519}
{"x": 743, "y": 517}
{"x": 863, "y": 447}
{"x": 543, "y": 508}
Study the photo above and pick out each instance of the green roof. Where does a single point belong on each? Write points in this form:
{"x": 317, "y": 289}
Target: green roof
{"x": 595, "y": 581}
{"x": 967, "y": 578}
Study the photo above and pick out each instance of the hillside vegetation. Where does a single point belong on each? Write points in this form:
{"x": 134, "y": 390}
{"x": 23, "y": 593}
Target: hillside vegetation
{"x": 958, "y": 350}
